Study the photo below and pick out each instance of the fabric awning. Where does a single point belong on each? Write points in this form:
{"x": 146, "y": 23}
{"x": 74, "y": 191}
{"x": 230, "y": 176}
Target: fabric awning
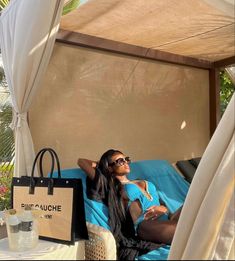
{"x": 202, "y": 29}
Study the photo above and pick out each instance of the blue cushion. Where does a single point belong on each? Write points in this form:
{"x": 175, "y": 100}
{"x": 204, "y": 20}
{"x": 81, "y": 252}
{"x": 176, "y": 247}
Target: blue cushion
{"x": 171, "y": 186}
{"x": 96, "y": 212}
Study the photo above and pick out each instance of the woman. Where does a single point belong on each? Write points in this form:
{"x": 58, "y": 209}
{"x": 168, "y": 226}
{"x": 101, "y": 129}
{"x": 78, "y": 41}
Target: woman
{"x": 108, "y": 180}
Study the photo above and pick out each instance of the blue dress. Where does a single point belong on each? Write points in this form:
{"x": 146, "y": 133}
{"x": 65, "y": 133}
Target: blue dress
{"x": 146, "y": 199}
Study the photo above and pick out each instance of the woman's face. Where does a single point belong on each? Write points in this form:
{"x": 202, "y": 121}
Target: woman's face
{"x": 120, "y": 164}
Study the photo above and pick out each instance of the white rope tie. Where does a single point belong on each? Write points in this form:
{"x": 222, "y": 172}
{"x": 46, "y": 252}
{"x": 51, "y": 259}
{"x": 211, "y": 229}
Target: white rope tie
{"x": 17, "y": 120}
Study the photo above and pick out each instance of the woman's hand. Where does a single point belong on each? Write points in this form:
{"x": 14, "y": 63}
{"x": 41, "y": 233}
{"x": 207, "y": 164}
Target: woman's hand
{"x": 155, "y": 212}
{"x": 94, "y": 164}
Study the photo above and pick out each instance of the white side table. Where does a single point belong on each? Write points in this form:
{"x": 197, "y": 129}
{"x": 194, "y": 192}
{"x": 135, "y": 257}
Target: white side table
{"x": 45, "y": 250}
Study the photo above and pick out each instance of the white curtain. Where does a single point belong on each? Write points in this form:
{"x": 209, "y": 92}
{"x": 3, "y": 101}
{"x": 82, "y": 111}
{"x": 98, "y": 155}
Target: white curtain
{"x": 206, "y": 227}
{"x": 231, "y": 72}
{"x": 27, "y": 34}
{"x": 226, "y": 6}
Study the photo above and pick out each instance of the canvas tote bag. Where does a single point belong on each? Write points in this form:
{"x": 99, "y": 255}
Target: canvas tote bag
{"x": 60, "y": 200}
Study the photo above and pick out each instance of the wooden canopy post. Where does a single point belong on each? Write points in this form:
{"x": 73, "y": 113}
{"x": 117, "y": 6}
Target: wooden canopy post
{"x": 214, "y": 100}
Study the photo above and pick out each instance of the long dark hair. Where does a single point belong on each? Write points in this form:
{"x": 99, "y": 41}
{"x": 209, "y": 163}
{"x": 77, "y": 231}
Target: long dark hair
{"x": 114, "y": 201}
{"x": 121, "y": 225}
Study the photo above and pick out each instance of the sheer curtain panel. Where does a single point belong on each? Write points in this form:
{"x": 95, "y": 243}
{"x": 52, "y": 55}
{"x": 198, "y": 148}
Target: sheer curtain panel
{"x": 27, "y": 35}
{"x": 206, "y": 227}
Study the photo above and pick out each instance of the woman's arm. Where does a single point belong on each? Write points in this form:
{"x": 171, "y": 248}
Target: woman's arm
{"x": 88, "y": 166}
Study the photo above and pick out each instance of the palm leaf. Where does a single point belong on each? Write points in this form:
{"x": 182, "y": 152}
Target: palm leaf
{"x": 3, "y": 4}
{"x": 70, "y": 6}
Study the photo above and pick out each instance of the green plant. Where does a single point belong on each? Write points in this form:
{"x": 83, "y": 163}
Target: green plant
{"x": 226, "y": 90}
{"x": 3, "y": 4}
{"x": 7, "y": 146}
{"x": 6, "y": 174}
{"x": 70, "y": 6}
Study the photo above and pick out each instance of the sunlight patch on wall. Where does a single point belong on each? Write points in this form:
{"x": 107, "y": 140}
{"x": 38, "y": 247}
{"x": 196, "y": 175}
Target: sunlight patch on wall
{"x": 183, "y": 125}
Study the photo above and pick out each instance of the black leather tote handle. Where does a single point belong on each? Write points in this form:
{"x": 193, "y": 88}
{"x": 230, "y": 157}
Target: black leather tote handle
{"x": 52, "y": 161}
{"x": 57, "y": 162}
{"x": 54, "y": 157}
{"x": 32, "y": 180}
{"x": 35, "y": 162}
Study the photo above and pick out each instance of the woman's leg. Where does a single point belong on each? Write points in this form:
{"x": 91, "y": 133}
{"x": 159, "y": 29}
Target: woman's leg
{"x": 157, "y": 231}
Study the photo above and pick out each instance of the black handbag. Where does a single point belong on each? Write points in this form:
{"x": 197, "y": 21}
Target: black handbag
{"x": 60, "y": 200}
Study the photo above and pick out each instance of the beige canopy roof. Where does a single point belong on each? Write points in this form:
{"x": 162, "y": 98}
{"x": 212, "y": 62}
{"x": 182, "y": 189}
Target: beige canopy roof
{"x": 202, "y": 29}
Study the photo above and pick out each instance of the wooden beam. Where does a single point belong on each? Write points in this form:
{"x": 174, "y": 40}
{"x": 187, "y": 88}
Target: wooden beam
{"x": 225, "y": 62}
{"x": 214, "y": 99}
{"x": 79, "y": 39}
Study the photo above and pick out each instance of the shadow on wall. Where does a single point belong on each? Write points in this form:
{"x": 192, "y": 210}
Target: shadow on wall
{"x": 115, "y": 101}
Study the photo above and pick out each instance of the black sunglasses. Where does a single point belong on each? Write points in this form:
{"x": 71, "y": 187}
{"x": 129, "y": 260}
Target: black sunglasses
{"x": 120, "y": 161}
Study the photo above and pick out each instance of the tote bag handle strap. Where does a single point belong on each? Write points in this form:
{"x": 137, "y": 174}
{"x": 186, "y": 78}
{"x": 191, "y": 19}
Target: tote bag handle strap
{"x": 52, "y": 162}
{"x": 57, "y": 162}
{"x": 54, "y": 157}
{"x": 40, "y": 153}
{"x": 32, "y": 180}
